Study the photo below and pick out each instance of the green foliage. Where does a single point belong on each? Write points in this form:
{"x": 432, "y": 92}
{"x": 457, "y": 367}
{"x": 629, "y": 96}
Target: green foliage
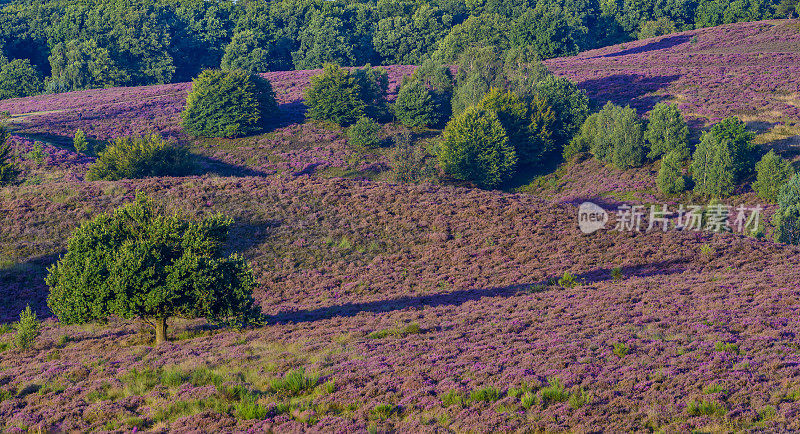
{"x": 27, "y": 329}
{"x": 8, "y": 170}
{"x": 475, "y": 148}
{"x": 415, "y": 105}
{"x": 342, "y": 96}
{"x": 228, "y": 104}
{"x": 553, "y": 392}
{"x": 615, "y": 135}
{"x": 294, "y": 383}
{"x": 667, "y": 131}
{"x": 384, "y": 411}
{"x": 406, "y": 39}
{"x": 570, "y": 106}
{"x": 453, "y": 397}
{"x": 620, "y": 349}
{"x": 567, "y": 280}
{"x": 19, "y": 78}
{"x": 139, "y": 157}
{"x": 658, "y": 27}
{"x": 705, "y": 408}
{"x": 410, "y": 163}
{"x": 486, "y": 394}
{"x": 248, "y": 408}
{"x": 584, "y": 140}
{"x": 772, "y": 172}
{"x": 80, "y": 142}
{"x": 723, "y": 158}
{"x": 549, "y": 30}
{"x": 476, "y": 31}
{"x": 82, "y": 64}
{"x": 140, "y": 262}
{"x": 365, "y": 133}
{"x": 324, "y": 39}
{"x": 256, "y": 50}
{"x": 670, "y": 179}
{"x": 541, "y": 132}
{"x": 787, "y": 217}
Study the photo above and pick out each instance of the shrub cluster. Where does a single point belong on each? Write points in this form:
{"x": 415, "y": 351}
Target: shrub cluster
{"x": 365, "y": 133}
{"x": 613, "y": 135}
{"x": 787, "y": 218}
{"x": 723, "y": 157}
{"x": 416, "y": 105}
{"x": 8, "y": 170}
{"x": 772, "y": 172}
{"x": 228, "y": 104}
{"x": 139, "y": 157}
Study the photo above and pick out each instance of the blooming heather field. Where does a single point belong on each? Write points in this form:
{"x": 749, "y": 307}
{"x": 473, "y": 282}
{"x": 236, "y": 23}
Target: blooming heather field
{"x": 750, "y": 69}
{"x": 414, "y": 308}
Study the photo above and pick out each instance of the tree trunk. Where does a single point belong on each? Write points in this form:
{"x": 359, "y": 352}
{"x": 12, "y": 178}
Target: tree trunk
{"x": 161, "y": 330}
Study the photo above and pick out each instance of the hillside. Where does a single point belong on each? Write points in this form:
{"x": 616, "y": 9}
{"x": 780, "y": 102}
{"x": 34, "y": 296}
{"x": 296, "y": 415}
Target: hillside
{"x": 698, "y": 332}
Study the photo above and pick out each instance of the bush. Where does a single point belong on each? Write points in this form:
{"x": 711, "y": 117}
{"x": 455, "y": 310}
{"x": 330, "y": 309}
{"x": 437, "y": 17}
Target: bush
{"x": 670, "y": 176}
{"x": 140, "y": 262}
{"x": 615, "y": 135}
{"x": 512, "y": 113}
{"x": 787, "y": 217}
{"x": 659, "y": 27}
{"x": 228, "y": 104}
{"x": 27, "y": 329}
{"x": 733, "y": 133}
{"x": 475, "y": 148}
{"x": 80, "y": 142}
{"x": 712, "y": 167}
{"x": 19, "y": 78}
{"x": 8, "y": 170}
{"x": 139, "y": 157}
{"x": 570, "y": 107}
{"x": 415, "y": 105}
{"x": 364, "y": 133}
{"x": 342, "y": 96}
{"x": 667, "y": 132}
{"x": 771, "y": 173}
{"x": 541, "y": 133}
{"x": 584, "y": 141}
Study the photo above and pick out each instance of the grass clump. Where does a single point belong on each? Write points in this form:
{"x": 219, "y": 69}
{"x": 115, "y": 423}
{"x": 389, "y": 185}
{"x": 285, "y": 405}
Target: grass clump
{"x": 384, "y": 411}
{"x": 452, "y": 398}
{"x": 620, "y": 349}
{"x": 486, "y": 394}
{"x": 294, "y": 383}
{"x": 248, "y": 408}
{"x": 553, "y": 392}
{"x": 411, "y": 329}
{"x": 705, "y": 408}
{"x": 726, "y": 347}
{"x": 567, "y": 280}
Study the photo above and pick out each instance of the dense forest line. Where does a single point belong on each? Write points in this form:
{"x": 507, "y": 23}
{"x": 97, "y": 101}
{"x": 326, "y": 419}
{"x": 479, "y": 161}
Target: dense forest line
{"x": 63, "y": 45}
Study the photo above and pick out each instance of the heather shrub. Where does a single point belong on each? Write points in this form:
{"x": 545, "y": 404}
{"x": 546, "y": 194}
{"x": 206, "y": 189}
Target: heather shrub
{"x": 8, "y": 170}
{"x": 80, "y": 142}
{"x": 771, "y": 173}
{"x": 667, "y": 132}
{"x": 787, "y": 217}
{"x": 364, "y": 133}
{"x": 670, "y": 176}
{"x": 27, "y": 329}
{"x": 475, "y": 148}
{"x": 139, "y": 157}
{"x": 139, "y": 261}
{"x": 228, "y": 104}
{"x": 415, "y": 105}
{"x": 410, "y": 163}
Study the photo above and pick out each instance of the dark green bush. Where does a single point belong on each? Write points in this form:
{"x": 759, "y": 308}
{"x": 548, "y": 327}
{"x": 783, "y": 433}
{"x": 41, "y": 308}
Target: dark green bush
{"x": 787, "y": 217}
{"x": 365, "y": 133}
{"x": 228, "y": 104}
{"x": 415, "y": 105}
{"x": 667, "y": 131}
{"x": 771, "y": 173}
{"x": 8, "y": 170}
{"x": 139, "y": 157}
{"x": 570, "y": 106}
{"x": 342, "y": 96}
{"x": 670, "y": 176}
{"x": 475, "y": 148}
{"x": 141, "y": 262}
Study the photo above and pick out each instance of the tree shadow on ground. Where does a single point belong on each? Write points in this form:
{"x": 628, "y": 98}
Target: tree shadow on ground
{"x": 661, "y": 44}
{"x": 23, "y": 284}
{"x": 628, "y": 89}
{"x": 455, "y": 298}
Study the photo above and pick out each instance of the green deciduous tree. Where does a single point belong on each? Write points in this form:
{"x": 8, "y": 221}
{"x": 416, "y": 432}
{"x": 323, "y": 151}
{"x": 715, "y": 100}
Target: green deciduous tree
{"x": 80, "y": 142}
{"x": 787, "y": 218}
{"x": 19, "y": 78}
{"x": 406, "y": 39}
{"x": 139, "y": 157}
{"x": 365, "y": 133}
{"x": 476, "y": 31}
{"x": 549, "y": 30}
{"x": 228, "y": 104}
{"x": 616, "y": 136}
{"x": 342, "y": 96}
{"x": 772, "y": 172}
{"x": 667, "y": 131}
{"x": 570, "y": 106}
{"x": 416, "y": 105}
{"x": 658, "y": 27}
{"x": 141, "y": 262}
{"x": 670, "y": 176}
{"x": 713, "y": 167}
{"x": 82, "y": 64}
{"x": 475, "y": 148}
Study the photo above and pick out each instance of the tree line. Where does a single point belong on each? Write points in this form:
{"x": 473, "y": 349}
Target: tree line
{"x": 63, "y": 45}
